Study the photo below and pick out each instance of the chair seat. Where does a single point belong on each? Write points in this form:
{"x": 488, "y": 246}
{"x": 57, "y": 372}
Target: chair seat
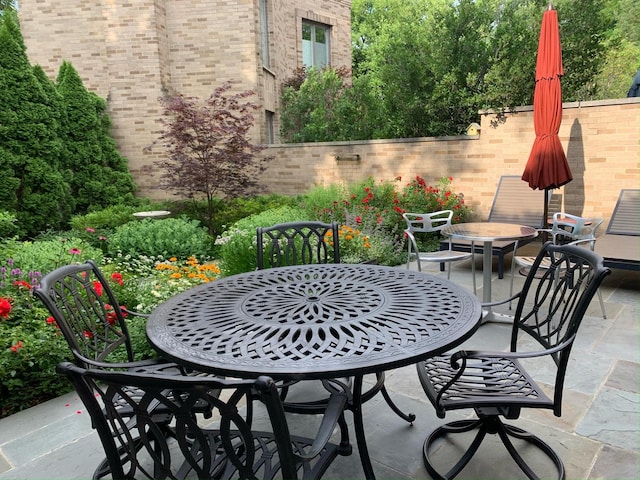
{"x": 491, "y": 380}
{"x": 528, "y": 262}
{"x": 443, "y": 256}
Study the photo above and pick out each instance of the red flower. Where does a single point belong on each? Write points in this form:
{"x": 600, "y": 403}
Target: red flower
{"x": 112, "y": 318}
{"x": 17, "y": 346}
{"x": 5, "y": 308}
{"x": 97, "y": 286}
{"x": 52, "y": 321}
{"x": 22, "y": 283}
{"x": 117, "y": 277}
{"x": 87, "y": 334}
{"x": 358, "y": 219}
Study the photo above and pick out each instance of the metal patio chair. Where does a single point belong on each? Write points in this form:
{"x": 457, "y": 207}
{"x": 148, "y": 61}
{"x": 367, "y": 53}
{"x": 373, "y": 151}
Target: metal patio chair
{"x": 434, "y": 222}
{"x": 224, "y": 447}
{"x": 84, "y": 307}
{"x": 496, "y": 384}
{"x": 566, "y": 228}
{"x": 297, "y": 243}
{"x": 308, "y": 242}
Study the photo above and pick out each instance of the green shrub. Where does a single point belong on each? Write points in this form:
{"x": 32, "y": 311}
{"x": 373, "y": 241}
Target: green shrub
{"x": 237, "y": 246}
{"x": 8, "y": 224}
{"x": 179, "y": 237}
{"x": 42, "y": 256}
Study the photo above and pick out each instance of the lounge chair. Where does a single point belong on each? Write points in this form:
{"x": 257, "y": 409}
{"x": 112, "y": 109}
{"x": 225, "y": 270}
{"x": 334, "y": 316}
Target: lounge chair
{"x": 514, "y": 202}
{"x": 620, "y": 244}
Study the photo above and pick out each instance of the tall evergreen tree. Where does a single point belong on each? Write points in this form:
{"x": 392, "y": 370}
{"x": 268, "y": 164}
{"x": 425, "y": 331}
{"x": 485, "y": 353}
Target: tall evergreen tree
{"x": 98, "y": 173}
{"x": 31, "y": 185}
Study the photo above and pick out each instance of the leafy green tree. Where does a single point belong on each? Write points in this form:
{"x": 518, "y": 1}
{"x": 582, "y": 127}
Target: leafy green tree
{"x": 97, "y": 173}
{"x": 428, "y": 66}
{"x": 31, "y": 185}
{"x": 6, "y": 5}
{"x": 209, "y": 153}
{"x": 320, "y": 105}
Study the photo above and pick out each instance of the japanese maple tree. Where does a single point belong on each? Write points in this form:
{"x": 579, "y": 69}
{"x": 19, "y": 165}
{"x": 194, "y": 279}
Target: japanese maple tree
{"x": 209, "y": 152}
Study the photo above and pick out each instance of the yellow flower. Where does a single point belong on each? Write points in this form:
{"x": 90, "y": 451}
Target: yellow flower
{"x": 175, "y": 275}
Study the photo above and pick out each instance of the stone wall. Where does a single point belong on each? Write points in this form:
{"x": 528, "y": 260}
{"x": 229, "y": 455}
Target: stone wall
{"x": 601, "y": 140}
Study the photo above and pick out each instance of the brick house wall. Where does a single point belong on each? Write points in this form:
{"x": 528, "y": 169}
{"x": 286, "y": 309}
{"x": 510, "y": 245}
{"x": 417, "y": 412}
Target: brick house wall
{"x": 601, "y": 140}
{"x": 134, "y": 52}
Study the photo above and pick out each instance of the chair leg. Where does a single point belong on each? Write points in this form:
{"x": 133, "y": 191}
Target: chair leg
{"x": 484, "y": 425}
{"x": 473, "y": 266}
{"x": 604, "y": 314}
{"x": 380, "y": 387}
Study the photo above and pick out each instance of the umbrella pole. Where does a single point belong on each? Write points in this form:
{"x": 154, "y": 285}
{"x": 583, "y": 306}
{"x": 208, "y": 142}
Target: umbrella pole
{"x": 545, "y": 218}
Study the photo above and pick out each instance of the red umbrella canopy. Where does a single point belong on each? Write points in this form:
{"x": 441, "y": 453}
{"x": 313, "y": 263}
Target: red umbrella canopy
{"x": 547, "y": 166}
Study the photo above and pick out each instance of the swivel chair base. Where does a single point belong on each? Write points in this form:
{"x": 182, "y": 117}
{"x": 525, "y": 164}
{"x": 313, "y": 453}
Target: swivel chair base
{"x": 485, "y": 425}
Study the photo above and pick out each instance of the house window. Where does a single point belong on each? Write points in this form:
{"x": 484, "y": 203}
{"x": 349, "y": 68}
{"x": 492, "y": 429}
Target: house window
{"x": 264, "y": 27}
{"x": 269, "y": 120}
{"x": 315, "y": 44}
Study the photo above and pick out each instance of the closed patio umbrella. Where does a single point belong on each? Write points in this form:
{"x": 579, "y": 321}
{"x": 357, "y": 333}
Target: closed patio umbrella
{"x": 547, "y": 167}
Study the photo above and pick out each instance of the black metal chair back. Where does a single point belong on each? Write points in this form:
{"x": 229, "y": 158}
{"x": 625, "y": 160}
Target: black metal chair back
{"x": 551, "y": 306}
{"x": 298, "y": 243}
{"x": 85, "y": 309}
{"x": 553, "y": 302}
{"x": 223, "y": 447}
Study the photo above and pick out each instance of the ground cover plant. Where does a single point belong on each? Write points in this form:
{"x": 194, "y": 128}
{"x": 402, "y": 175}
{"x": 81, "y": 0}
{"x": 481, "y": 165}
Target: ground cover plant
{"x": 149, "y": 261}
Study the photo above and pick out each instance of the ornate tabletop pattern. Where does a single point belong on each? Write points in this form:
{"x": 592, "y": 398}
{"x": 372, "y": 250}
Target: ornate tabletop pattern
{"x": 313, "y": 321}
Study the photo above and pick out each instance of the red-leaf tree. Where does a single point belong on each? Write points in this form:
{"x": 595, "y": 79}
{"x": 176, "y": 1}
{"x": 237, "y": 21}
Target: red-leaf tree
{"x": 209, "y": 154}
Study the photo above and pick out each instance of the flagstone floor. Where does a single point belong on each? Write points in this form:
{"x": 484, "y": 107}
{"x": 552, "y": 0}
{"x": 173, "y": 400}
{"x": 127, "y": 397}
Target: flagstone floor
{"x": 598, "y": 436}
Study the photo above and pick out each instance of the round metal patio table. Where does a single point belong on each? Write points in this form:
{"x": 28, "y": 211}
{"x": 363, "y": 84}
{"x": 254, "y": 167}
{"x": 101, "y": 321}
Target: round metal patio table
{"x": 315, "y": 322}
{"x": 489, "y": 232}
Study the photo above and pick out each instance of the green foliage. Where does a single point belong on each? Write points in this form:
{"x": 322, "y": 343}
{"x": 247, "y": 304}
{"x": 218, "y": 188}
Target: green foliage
{"x": 32, "y": 187}
{"x": 237, "y": 245}
{"x": 427, "y": 67}
{"x": 56, "y": 155}
{"x": 179, "y": 237}
{"x": 318, "y": 105}
{"x": 30, "y": 346}
{"x": 97, "y": 173}
{"x": 8, "y": 226}
{"x": 145, "y": 282}
{"x": 39, "y": 257}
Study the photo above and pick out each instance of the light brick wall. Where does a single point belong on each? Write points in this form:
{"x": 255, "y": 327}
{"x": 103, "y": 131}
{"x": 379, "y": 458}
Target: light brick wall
{"x": 601, "y": 140}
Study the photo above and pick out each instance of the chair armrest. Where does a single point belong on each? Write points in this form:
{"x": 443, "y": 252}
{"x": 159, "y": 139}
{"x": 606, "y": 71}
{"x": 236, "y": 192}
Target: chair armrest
{"x": 335, "y": 409}
{"x": 502, "y": 302}
{"x": 133, "y": 312}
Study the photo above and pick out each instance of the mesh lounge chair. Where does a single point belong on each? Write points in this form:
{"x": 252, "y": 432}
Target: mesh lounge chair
{"x": 620, "y": 245}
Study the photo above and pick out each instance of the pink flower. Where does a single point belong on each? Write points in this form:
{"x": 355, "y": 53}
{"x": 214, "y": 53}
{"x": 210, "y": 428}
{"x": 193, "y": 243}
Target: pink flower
{"x": 75, "y": 251}
{"x": 90, "y": 230}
